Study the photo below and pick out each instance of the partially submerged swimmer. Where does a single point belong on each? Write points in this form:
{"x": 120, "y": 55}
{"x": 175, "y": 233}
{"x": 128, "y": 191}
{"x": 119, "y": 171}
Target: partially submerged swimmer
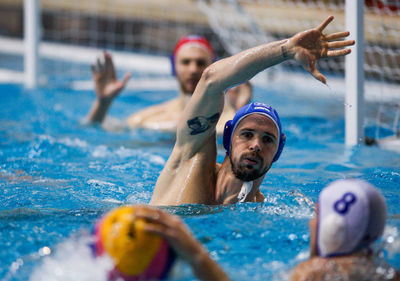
{"x": 253, "y": 139}
{"x": 351, "y": 215}
{"x": 192, "y": 54}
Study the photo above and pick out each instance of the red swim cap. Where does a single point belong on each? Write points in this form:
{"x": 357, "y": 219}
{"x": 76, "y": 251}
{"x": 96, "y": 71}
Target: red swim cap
{"x": 194, "y": 39}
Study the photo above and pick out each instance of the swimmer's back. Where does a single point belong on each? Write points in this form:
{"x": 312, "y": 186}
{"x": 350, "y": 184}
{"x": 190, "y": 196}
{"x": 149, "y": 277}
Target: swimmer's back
{"x": 163, "y": 116}
{"x": 343, "y": 268}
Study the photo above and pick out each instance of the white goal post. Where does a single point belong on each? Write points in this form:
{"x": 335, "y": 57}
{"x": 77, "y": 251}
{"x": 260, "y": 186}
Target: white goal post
{"x": 31, "y": 42}
{"x": 152, "y": 26}
{"x": 354, "y": 73}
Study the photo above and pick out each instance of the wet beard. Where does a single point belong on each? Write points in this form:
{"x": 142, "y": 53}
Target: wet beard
{"x": 246, "y": 174}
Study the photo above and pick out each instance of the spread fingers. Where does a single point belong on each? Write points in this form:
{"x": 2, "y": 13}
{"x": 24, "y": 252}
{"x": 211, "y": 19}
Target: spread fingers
{"x": 322, "y": 26}
{"x": 337, "y": 35}
{"x": 337, "y": 53}
{"x": 340, "y": 44}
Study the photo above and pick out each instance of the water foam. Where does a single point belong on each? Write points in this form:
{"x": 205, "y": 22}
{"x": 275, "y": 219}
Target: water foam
{"x": 73, "y": 260}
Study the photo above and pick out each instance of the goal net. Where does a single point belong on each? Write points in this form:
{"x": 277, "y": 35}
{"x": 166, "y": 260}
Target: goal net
{"x": 241, "y": 24}
{"x": 141, "y": 35}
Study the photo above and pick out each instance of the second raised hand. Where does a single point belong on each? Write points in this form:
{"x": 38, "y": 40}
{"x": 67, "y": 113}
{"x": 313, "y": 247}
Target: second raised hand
{"x": 107, "y": 85}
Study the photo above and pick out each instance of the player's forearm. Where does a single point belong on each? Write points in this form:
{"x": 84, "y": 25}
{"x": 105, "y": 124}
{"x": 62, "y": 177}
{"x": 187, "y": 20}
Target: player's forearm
{"x": 207, "y": 269}
{"x": 244, "y": 65}
{"x": 99, "y": 111}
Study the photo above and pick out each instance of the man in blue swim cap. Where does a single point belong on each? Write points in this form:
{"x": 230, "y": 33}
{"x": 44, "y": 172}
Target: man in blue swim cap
{"x": 191, "y": 55}
{"x": 230, "y": 127}
{"x": 253, "y": 139}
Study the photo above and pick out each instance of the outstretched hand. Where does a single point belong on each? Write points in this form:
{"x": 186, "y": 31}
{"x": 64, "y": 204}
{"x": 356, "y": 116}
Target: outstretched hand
{"x": 311, "y": 45}
{"x": 106, "y": 83}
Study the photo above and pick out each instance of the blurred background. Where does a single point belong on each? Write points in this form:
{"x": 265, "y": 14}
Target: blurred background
{"x": 141, "y": 35}
{"x": 153, "y": 26}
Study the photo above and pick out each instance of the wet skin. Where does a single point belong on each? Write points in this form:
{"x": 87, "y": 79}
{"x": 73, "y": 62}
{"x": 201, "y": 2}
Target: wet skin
{"x": 254, "y": 145}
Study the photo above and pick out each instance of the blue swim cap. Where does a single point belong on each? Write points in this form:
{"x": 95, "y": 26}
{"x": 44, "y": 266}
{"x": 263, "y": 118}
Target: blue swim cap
{"x": 252, "y": 108}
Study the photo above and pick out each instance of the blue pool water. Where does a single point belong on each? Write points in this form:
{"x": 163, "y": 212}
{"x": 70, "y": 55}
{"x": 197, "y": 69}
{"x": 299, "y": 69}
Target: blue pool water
{"x": 58, "y": 176}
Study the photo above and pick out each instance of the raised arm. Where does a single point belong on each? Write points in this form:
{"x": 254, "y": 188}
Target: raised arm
{"x": 107, "y": 87}
{"x": 182, "y": 241}
{"x": 202, "y": 113}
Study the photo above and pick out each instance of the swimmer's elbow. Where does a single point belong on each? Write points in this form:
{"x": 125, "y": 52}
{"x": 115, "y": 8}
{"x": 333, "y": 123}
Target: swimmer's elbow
{"x": 208, "y": 75}
{"x": 210, "y": 79}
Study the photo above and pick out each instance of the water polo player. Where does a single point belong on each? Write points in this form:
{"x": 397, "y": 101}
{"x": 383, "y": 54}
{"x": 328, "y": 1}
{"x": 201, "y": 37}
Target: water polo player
{"x": 191, "y": 55}
{"x": 351, "y": 215}
{"x": 144, "y": 242}
{"x": 253, "y": 139}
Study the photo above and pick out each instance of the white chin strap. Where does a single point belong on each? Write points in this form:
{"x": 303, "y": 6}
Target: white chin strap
{"x": 245, "y": 190}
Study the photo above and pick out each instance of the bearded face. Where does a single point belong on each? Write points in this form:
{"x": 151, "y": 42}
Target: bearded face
{"x": 254, "y": 145}
{"x": 246, "y": 171}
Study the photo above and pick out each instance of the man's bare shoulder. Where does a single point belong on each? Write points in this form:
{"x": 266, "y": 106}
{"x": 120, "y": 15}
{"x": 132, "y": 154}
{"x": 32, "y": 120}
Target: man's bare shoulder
{"x": 167, "y": 105}
{"x": 344, "y": 268}
{"x": 259, "y": 198}
{"x": 182, "y": 175}
{"x": 307, "y": 271}
{"x": 168, "y": 111}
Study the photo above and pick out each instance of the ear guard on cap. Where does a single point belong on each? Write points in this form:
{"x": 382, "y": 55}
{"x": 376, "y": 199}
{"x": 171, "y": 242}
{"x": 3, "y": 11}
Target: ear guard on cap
{"x": 282, "y": 141}
{"x": 246, "y": 110}
{"x": 226, "y": 139}
{"x": 172, "y": 60}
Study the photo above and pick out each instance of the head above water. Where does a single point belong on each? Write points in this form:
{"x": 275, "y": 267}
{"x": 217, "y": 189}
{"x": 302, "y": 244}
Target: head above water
{"x": 351, "y": 215}
{"x": 254, "y": 108}
{"x": 137, "y": 254}
{"x": 192, "y": 54}
{"x": 191, "y": 40}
